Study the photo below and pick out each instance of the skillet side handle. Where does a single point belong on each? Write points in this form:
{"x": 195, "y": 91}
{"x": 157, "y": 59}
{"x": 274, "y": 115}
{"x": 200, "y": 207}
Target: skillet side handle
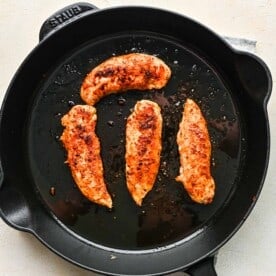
{"x": 203, "y": 268}
{"x": 254, "y": 76}
{"x": 63, "y": 17}
{"x": 14, "y": 209}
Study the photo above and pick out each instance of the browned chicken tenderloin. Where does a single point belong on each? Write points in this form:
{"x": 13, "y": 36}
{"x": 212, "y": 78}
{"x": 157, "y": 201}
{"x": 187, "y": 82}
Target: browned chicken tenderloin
{"x": 195, "y": 152}
{"x": 143, "y": 148}
{"x": 121, "y": 73}
{"x": 83, "y": 153}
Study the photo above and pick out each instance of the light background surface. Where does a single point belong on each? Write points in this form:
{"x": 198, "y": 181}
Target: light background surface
{"x": 252, "y": 251}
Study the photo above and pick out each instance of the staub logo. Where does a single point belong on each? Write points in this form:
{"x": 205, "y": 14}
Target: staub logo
{"x": 64, "y": 16}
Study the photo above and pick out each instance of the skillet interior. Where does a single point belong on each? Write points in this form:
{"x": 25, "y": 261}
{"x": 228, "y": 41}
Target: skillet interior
{"x": 167, "y": 215}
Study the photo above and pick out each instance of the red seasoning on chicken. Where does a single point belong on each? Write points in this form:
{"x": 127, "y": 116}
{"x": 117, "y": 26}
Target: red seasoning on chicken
{"x": 195, "y": 153}
{"x": 126, "y": 72}
{"x": 143, "y": 148}
{"x": 83, "y": 153}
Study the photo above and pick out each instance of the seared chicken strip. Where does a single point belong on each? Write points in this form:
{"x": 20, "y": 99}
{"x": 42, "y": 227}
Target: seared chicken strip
{"x": 195, "y": 152}
{"x": 83, "y": 153}
{"x": 121, "y": 73}
{"x": 143, "y": 148}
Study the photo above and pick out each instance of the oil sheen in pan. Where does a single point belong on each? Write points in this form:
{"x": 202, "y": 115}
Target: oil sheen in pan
{"x": 167, "y": 214}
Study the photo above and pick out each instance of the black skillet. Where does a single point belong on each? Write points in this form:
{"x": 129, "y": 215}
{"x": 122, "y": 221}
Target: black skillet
{"x": 169, "y": 232}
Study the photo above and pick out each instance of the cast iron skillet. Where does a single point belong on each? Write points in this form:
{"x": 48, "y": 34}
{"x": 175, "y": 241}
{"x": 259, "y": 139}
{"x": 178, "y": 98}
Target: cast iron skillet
{"x": 169, "y": 232}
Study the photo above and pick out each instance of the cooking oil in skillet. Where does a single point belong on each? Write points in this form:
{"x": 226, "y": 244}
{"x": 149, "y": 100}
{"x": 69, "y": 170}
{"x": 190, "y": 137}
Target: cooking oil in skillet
{"x": 167, "y": 214}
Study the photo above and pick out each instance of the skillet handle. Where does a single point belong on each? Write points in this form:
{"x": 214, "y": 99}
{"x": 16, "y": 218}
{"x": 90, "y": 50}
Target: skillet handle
{"x": 254, "y": 76}
{"x": 203, "y": 268}
{"x": 14, "y": 209}
{"x": 63, "y": 17}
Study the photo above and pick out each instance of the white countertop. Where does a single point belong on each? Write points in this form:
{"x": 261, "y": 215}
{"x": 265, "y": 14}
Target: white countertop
{"x": 252, "y": 251}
